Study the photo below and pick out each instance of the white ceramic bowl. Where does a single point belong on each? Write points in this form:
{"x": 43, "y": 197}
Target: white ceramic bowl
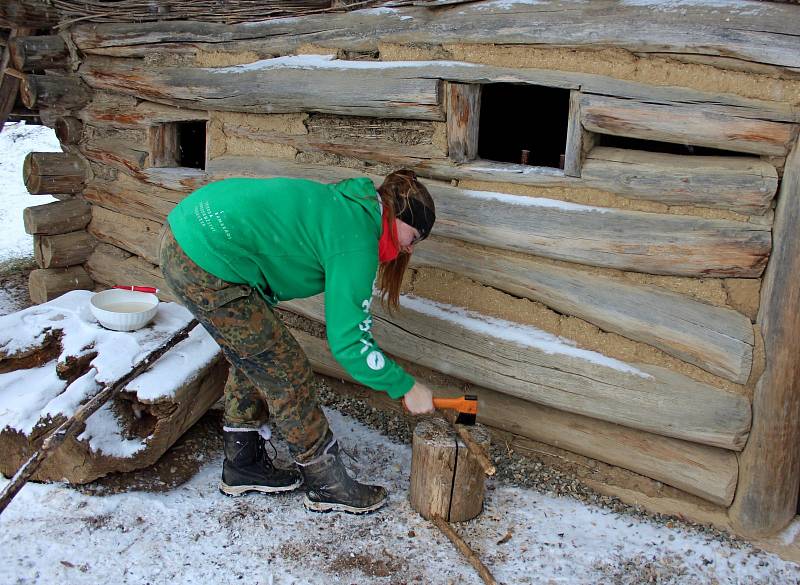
{"x": 123, "y": 310}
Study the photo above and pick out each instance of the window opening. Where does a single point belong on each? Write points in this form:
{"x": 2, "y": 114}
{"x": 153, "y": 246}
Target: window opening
{"x": 179, "y": 144}
{"x": 523, "y": 124}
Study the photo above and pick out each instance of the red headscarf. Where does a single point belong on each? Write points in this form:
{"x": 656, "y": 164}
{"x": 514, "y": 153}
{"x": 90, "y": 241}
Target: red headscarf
{"x": 388, "y": 246}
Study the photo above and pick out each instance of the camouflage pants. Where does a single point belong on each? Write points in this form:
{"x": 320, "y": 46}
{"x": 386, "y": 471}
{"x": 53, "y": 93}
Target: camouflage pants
{"x": 269, "y": 373}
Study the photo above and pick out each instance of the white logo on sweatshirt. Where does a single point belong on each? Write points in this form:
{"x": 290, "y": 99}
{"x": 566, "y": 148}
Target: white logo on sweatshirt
{"x": 375, "y": 360}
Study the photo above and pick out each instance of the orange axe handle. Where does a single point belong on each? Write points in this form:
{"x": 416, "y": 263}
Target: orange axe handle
{"x": 465, "y": 404}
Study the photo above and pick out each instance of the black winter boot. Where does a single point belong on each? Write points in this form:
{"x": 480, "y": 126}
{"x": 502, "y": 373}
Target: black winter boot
{"x": 329, "y": 488}
{"x": 248, "y": 468}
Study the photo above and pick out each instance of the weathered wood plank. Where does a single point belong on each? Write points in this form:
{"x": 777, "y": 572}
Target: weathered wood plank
{"x": 685, "y": 125}
{"x": 747, "y": 31}
{"x": 124, "y": 111}
{"x": 109, "y": 266}
{"x": 577, "y": 138}
{"x": 283, "y": 85}
{"x": 766, "y": 499}
{"x": 463, "y": 120}
{"x": 58, "y": 217}
{"x": 744, "y": 185}
{"x": 717, "y": 339}
{"x": 627, "y": 240}
{"x": 139, "y": 236}
{"x": 707, "y": 472}
{"x": 130, "y": 158}
{"x": 645, "y": 397}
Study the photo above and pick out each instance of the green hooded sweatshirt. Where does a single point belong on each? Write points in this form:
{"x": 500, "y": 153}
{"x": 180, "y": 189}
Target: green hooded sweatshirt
{"x": 298, "y": 238}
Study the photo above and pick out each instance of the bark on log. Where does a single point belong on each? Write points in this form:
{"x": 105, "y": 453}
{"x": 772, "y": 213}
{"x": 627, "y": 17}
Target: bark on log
{"x": 109, "y": 265}
{"x": 446, "y": 479}
{"x": 62, "y": 250}
{"x": 68, "y": 130}
{"x": 14, "y": 13}
{"x": 627, "y": 240}
{"x": 716, "y": 339}
{"x": 39, "y": 52}
{"x": 744, "y": 185}
{"x": 58, "y": 217}
{"x": 748, "y": 32}
{"x": 766, "y": 499}
{"x": 139, "y": 236}
{"x": 45, "y": 284}
{"x": 463, "y": 120}
{"x": 707, "y": 472}
{"x": 54, "y": 172}
{"x": 66, "y": 92}
{"x": 685, "y": 125}
{"x": 645, "y": 397}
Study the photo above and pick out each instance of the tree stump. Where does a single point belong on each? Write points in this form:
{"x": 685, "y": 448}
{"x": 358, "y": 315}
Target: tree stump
{"x": 446, "y": 478}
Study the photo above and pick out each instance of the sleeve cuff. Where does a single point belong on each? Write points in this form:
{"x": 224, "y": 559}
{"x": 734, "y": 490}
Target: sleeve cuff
{"x": 402, "y": 388}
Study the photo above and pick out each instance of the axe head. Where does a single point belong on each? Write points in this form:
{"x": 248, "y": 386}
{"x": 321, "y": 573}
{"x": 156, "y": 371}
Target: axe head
{"x": 465, "y": 406}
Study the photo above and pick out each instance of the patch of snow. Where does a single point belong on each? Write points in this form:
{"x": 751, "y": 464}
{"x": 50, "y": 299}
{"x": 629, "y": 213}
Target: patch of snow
{"x": 505, "y": 4}
{"x": 523, "y": 335}
{"x": 104, "y": 435}
{"x": 329, "y": 62}
{"x": 735, "y": 6}
{"x": 16, "y": 141}
{"x": 533, "y": 201}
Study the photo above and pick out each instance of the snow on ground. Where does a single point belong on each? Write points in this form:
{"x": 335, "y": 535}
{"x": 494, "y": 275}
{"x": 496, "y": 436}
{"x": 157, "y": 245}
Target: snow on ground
{"x": 16, "y": 141}
{"x": 192, "y": 534}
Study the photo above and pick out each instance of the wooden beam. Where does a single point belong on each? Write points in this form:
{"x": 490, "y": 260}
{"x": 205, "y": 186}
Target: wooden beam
{"x": 139, "y": 236}
{"x": 69, "y": 130}
{"x": 39, "y": 52}
{"x": 707, "y": 472}
{"x": 627, "y": 240}
{"x": 54, "y": 172}
{"x": 110, "y": 266}
{"x": 685, "y": 125}
{"x": 58, "y": 217}
{"x": 133, "y": 197}
{"x": 645, "y": 397}
{"x": 63, "y": 91}
{"x": 766, "y": 499}
{"x": 741, "y": 184}
{"x": 463, "y": 120}
{"x": 62, "y": 250}
{"x": 45, "y": 284}
{"x": 717, "y": 339}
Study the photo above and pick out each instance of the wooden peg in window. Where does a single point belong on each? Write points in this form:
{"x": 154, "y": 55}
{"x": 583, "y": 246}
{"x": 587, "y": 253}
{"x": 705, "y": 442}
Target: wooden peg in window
{"x": 523, "y": 159}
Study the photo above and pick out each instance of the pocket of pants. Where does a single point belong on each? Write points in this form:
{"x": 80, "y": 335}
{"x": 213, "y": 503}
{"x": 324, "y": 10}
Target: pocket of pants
{"x": 241, "y": 317}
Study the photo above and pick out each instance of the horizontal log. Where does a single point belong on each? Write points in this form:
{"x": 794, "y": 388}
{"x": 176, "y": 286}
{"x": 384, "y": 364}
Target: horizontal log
{"x": 135, "y": 198}
{"x": 717, "y": 339}
{"x": 58, "y": 217}
{"x": 627, "y": 240}
{"x": 537, "y": 367}
{"x": 117, "y": 154}
{"x": 749, "y": 32}
{"x": 707, "y": 472}
{"x": 15, "y": 13}
{"x": 283, "y": 85}
{"x": 136, "y": 235}
{"x": 110, "y": 266}
{"x": 62, "y": 250}
{"x": 45, "y": 284}
{"x": 123, "y": 111}
{"x": 66, "y": 92}
{"x": 69, "y": 130}
{"x": 685, "y": 124}
{"x": 744, "y": 185}
{"x": 39, "y": 52}
{"x": 54, "y": 172}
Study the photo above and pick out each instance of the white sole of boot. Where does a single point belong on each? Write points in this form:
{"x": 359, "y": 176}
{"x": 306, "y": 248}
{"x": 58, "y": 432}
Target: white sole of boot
{"x": 240, "y": 490}
{"x": 331, "y": 507}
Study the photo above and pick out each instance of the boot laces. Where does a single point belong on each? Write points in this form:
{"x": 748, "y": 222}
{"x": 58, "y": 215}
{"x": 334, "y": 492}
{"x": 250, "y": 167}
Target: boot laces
{"x": 264, "y": 457}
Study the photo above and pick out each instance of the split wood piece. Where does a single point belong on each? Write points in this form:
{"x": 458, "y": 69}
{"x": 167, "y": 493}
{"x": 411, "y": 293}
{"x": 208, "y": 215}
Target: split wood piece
{"x": 136, "y": 235}
{"x": 109, "y": 265}
{"x": 45, "y": 284}
{"x": 478, "y": 451}
{"x": 77, "y": 421}
{"x": 642, "y": 396}
{"x": 383, "y": 90}
{"x": 66, "y": 92}
{"x": 464, "y": 549}
{"x": 685, "y": 125}
{"x": 69, "y": 130}
{"x": 741, "y": 184}
{"x": 446, "y": 478}
{"x": 62, "y": 250}
{"x": 54, "y": 172}
{"x": 579, "y": 141}
{"x": 652, "y": 243}
{"x": 747, "y": 35}
{"x": 717, "y": 339}
{"x": 39, "y": 52}
{"x": 463, "y": 120}
{"x": 766, "y": 499}
{"x": 707, "y": 472}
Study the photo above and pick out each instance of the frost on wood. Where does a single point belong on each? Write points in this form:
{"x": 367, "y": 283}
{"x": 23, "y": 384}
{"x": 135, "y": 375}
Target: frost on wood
{"x": 55, "y": 356}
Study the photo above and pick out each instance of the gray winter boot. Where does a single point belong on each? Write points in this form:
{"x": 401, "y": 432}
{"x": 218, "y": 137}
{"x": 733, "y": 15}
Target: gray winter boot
{"x": 248, "y": 468}
{"x": 329, "y": 488}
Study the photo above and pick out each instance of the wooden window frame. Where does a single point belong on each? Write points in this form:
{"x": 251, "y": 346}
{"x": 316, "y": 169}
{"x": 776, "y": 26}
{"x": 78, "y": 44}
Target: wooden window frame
{"x": 164, "y": 144}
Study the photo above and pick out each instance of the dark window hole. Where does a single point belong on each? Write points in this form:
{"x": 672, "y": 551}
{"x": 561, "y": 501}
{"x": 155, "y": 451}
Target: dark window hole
{"x": 191, "y": 138}
{"x": 665, "y": 147}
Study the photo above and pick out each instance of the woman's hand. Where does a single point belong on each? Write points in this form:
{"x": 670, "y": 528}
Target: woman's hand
{"x": 418, "y": 400}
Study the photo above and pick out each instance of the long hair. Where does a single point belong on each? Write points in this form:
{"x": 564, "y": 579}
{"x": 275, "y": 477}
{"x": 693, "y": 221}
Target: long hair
{"x": 395, "y": 192}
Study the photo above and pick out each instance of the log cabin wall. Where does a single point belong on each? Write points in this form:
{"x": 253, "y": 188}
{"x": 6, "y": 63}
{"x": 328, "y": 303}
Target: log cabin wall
{"x": 631, "y": 269}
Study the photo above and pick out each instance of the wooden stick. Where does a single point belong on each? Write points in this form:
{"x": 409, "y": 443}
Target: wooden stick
{"x": 72, "y": 424}
{"x": 477, "y": 450}
{"x": 465, "y": 550}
